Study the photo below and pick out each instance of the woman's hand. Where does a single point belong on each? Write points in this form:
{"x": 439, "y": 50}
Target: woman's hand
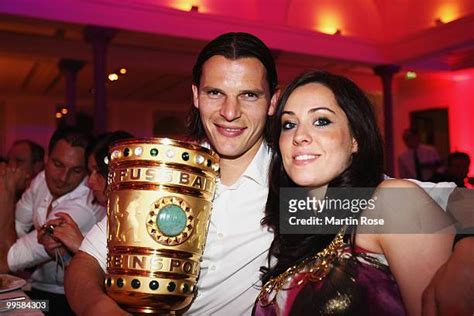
{"x": 67, "y": 232}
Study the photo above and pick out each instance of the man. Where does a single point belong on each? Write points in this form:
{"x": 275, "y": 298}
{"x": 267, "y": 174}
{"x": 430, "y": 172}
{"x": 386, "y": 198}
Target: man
{"x": 234, "y": 93}
{"x": 27, "y": 156}
{"x": 456, "y": 170}
{"x": 60, "y": 187}
{"x": 418, "y": 161}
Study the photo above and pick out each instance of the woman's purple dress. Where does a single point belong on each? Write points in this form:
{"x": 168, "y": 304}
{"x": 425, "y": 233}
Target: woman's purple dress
{"x": 355, "y": 283}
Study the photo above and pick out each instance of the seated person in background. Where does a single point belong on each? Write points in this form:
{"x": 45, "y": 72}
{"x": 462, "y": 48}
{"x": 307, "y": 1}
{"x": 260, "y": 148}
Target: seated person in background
{"x": 28, "y": 156}
{"x": 325, "y": 136}
{"x": 419, "y": 161}
{"x": 59, "y": 188}
{"x": 66, "y": 232}
{"x": 456, "y": 171}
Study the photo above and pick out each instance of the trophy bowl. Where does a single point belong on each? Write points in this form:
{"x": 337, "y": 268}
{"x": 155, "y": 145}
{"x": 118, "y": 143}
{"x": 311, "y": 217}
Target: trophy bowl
{"x": 159, "y": 204}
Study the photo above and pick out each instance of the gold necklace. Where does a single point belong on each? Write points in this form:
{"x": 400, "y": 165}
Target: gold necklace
{"x": 316, "y": 271}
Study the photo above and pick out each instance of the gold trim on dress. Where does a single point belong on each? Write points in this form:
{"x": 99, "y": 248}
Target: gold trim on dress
{"x": 314, "y": 272}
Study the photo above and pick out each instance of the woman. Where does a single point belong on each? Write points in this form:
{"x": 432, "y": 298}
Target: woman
{"x": 326, "y": 137}
{"x": 65, "y": 232}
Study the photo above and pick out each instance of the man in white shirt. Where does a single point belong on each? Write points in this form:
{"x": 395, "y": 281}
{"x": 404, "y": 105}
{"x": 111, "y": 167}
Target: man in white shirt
{"x": 418, "y": 161}
{"x": 234, "y": 93}
{"x": 60, "y": 188}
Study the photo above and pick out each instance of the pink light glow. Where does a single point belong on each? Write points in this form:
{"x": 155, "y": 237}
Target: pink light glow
{"x": 461, "y": 77}
{"x": 461, "y": 114}
{"x": 451, "y": 90}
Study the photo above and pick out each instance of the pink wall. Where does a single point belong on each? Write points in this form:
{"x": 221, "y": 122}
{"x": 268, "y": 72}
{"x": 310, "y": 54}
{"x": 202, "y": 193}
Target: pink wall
{"x": 451, "y": 90}
{"x": 28, "y": 117}
{"x": 33, "y": 117}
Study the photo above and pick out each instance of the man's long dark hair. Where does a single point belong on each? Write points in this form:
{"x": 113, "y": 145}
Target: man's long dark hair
{"x": 232, "y": 46}
{"x": 365, "y": 169}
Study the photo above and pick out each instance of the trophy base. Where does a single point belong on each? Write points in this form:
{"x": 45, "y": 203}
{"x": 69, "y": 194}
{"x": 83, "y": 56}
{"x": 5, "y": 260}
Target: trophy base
{"x": 148, "y": 311}
{"x": 152, "y": 304}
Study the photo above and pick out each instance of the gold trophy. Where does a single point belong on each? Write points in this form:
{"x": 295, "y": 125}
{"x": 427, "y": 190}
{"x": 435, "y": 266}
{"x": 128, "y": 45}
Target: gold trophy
{"x": 159, "y": 205}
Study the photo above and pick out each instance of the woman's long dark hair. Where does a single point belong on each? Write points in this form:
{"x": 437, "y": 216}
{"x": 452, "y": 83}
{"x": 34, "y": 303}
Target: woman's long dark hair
{"x": 365, "y": 169}
{"x": 100, "y": 149}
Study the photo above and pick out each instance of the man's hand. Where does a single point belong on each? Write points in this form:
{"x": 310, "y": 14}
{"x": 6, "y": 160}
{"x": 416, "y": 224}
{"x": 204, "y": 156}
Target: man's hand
{"x": 451, "y": 290}
{"x": 49, "y": 243}
{"x": 4, "y": 183}
{"x": 12, "y": 179}
{"x": 8, "y": 180}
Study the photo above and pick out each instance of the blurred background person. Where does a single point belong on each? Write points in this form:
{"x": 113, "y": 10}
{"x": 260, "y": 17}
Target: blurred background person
{"x": 419, "y": 161}
{"x": 456, "y": 170}
{"x": 28, "y": 156}
{"x": 66, "y": 232}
